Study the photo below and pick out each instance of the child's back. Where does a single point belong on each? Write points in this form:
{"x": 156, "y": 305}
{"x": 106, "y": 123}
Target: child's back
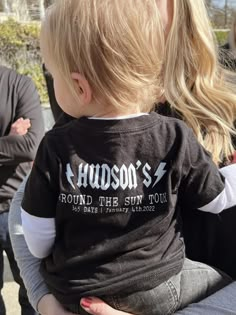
{"x": 114, "y": 203}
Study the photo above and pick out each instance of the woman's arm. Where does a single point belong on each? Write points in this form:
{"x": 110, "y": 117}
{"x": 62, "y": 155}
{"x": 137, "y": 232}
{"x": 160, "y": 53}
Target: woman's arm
{"x": 28, "y": 264}
{"x": 48, "y": 305}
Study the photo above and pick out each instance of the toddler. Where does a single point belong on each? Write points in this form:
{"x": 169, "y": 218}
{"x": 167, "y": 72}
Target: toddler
{"x": 101, "y": 205}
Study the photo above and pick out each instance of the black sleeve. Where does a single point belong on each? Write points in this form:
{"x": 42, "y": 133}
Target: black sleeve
{"x": 41, "y": 191}
{"x": 201, "y": 180}
{"x": 15, "y": 149}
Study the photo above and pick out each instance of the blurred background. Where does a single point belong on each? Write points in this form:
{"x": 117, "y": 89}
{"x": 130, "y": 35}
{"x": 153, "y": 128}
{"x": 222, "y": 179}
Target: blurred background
{"x": 221, "y": 13}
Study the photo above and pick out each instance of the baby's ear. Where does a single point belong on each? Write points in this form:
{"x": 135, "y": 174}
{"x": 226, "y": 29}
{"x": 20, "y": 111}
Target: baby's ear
{"x": 83, "y": 88}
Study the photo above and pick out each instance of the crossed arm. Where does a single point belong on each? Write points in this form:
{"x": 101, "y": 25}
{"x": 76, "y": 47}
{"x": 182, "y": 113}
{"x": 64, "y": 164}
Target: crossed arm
{"x": 21, "y": 143}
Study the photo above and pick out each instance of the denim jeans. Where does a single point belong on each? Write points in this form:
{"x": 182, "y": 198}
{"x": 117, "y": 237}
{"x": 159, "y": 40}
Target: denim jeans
{"x": 5, "y": 245}
{"x": 195, "y": 282}
{"x": 222, "y": 302}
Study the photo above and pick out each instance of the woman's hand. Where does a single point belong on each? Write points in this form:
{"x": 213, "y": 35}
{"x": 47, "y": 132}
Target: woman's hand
{"x": 48, "y": 305}
{"x": 96, "y": 306}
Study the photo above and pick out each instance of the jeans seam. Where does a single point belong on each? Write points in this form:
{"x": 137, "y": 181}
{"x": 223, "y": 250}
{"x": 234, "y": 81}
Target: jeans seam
{"x": 174, "y": 294}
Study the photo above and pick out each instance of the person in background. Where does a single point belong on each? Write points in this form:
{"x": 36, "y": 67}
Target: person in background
{"x": 228, "y": 50}
{"x": 21, "y": 129}
{"x": 192, "y": 71}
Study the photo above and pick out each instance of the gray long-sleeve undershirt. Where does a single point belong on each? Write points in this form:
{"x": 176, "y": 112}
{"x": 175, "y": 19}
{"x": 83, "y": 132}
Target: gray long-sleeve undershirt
{"x": 28, "y": 264}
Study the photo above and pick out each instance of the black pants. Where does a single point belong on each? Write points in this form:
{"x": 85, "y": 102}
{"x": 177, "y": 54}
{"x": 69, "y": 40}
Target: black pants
{"x": 5, "y": 245}
{"x": 211, "y": 238}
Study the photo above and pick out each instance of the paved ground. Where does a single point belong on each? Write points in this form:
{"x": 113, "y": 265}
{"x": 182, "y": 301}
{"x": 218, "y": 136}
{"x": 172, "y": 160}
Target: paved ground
{"x": 10, "y": 291}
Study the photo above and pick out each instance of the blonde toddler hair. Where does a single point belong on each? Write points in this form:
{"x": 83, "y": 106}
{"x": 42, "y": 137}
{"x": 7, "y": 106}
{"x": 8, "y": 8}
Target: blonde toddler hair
{"x": 117, "y": 45}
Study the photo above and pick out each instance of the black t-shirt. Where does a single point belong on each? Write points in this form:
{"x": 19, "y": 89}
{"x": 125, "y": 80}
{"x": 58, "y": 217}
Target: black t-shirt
{"x": 113, "y": 187}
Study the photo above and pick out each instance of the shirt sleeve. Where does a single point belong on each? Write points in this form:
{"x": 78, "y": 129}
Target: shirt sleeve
{"x": 41, "y": 192}
{"x": 227, "y": 198}
{"x": 39, "y": 203}
{"x": 39, "y": 234}
{"x": 15, "y": 149}
{"x": 28, "y": 264}
{"x": 201, "y": 180}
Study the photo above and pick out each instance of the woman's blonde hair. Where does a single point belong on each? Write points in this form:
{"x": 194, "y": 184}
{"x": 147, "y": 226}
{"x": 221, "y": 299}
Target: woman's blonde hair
{"x": 195, "y": 84}
{"x": 117, "y": 45}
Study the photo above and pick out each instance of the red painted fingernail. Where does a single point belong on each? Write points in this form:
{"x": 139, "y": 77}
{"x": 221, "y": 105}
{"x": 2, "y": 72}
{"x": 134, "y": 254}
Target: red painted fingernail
{"x": 86, "y": 302}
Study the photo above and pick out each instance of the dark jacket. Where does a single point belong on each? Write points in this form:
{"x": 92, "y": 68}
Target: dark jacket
{"x": 19, "y": 98}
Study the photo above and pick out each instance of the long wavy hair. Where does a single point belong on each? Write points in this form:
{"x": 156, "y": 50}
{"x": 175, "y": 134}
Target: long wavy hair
{"x": 195, "y": 84}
